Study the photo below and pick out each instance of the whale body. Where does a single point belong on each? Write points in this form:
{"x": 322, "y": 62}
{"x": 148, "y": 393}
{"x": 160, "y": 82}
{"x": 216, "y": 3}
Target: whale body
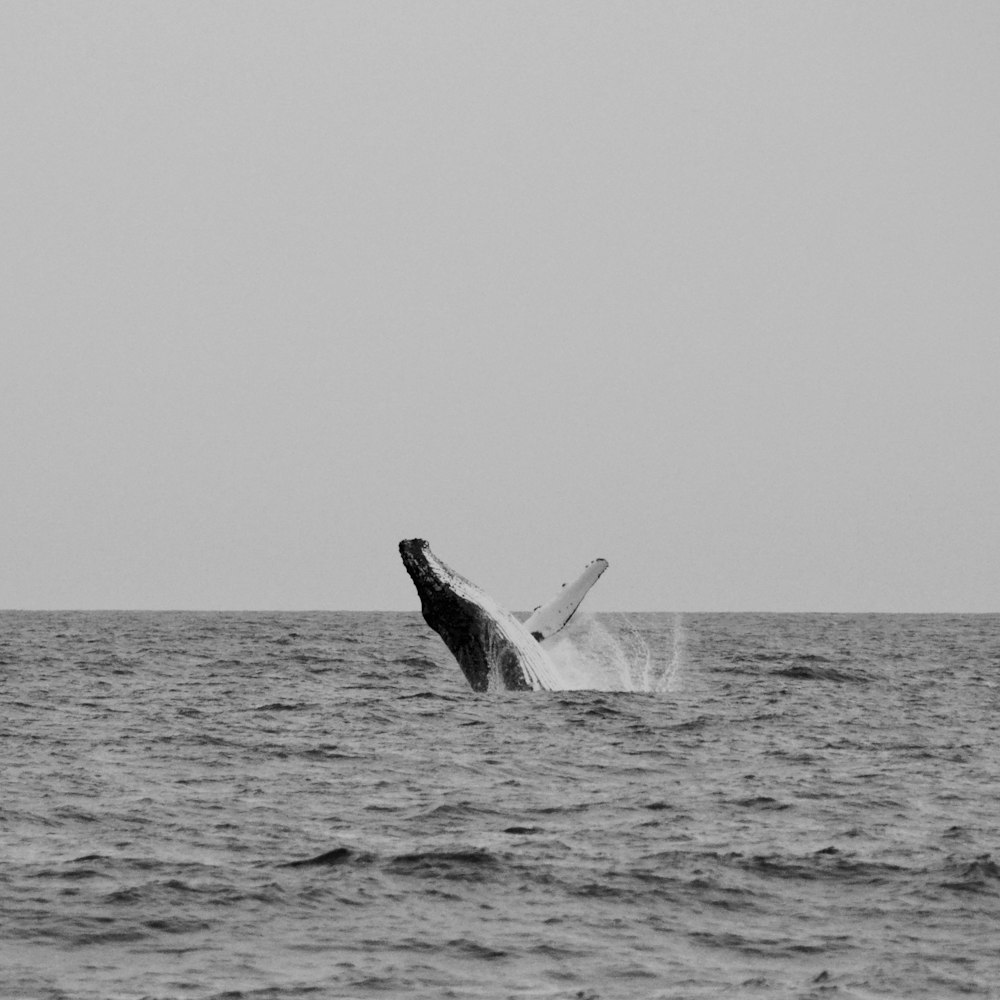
{"x": 493, "y": 648}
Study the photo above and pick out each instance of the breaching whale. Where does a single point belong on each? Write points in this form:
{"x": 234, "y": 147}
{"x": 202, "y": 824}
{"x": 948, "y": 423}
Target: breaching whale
{"x": 494, "y": 649}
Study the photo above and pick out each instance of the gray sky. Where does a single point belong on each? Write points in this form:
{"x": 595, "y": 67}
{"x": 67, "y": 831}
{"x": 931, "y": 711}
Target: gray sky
{"x": 708, "y": 289}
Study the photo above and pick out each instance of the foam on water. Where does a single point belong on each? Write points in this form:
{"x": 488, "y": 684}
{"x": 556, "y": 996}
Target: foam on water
{"x": 610, "y": 654}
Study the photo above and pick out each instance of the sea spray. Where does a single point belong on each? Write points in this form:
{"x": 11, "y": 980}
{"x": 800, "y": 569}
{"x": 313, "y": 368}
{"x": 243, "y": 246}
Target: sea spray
{"x": 608, "y": 653}
{"x": 670, "y": 679}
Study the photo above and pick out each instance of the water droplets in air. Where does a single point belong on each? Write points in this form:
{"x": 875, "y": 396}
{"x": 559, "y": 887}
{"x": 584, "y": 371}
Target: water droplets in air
{"x": 610, "y": 653}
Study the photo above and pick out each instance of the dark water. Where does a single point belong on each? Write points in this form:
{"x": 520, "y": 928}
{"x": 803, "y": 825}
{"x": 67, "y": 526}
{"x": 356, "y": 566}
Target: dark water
{"x": 801, "y": 806}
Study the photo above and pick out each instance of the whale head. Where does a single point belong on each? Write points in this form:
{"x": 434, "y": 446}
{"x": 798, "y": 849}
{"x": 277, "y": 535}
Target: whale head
{"x": 446, "y": 597}
{"x": 429, "y": 575}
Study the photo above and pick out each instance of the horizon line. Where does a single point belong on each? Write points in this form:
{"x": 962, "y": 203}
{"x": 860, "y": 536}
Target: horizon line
{"x": 392, "y": 611}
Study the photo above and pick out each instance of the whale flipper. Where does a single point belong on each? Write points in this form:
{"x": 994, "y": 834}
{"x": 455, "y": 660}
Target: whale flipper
{"x": 548, "y": 619}
{"x": 494, "y": 649}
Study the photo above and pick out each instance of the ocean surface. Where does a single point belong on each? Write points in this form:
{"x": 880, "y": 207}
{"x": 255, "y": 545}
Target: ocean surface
{"x": 229, "y": 805}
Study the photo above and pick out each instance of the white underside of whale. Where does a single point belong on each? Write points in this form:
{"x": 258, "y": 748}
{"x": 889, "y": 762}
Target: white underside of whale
{"x": 543, "y": 623}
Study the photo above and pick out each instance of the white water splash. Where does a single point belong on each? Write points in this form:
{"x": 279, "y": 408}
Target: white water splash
{"x": 610, "y": 654}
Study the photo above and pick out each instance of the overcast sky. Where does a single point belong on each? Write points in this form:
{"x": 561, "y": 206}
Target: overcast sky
{"x": 708, "y": 289}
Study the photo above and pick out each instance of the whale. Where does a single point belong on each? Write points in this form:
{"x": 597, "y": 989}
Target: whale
{"x": 495, "y": 650}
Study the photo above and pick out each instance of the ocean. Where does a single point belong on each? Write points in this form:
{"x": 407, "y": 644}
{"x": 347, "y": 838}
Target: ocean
{"x": 227, "y": 805}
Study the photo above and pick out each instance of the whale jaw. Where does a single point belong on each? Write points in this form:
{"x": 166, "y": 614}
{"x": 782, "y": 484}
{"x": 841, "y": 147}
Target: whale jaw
{"x": 492, "y": 647}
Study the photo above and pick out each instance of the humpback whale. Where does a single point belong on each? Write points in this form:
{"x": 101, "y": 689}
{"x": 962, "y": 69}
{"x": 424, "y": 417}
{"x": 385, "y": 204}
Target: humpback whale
{"x": 493, "y": 648}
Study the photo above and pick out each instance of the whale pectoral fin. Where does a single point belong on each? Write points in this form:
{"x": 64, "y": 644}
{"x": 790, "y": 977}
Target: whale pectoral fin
{"x": 550, "y": 618}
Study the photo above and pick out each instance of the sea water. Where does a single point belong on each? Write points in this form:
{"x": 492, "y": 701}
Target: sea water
{"x": 316, "y": 805}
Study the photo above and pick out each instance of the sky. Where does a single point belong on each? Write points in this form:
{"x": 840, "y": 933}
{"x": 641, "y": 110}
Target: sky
{"x": 708, "y": 289}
